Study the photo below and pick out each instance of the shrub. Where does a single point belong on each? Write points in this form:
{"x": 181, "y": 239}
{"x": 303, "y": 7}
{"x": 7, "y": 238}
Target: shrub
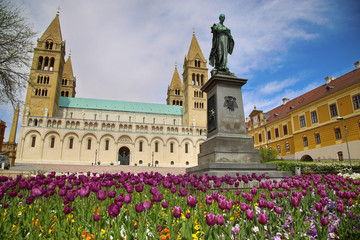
{"x": 267, "y": 154}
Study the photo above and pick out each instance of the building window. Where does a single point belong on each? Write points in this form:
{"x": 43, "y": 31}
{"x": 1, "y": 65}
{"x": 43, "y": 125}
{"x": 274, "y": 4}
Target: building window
{"x": 356, "y": 101}
{"x": 71, "y": 143}
{"x": 302, "y": 121}
{"x": 285, "y": 129}
{"x": 33, "y": 141}
{"x": 341, "y": 156}
{"x": 156, "y": 162}
{"x": 278, "y": 148}
{"x": 287, "y": 146}
{"x": 174, "y": 121}
{"x": 89, "y": 144}
{"x": 314, "y": 118}
{"x": 260, "y": 138}
{"x": 156, "y": 147}
{"x": 337, "y": 133}
{"x": 171, "y": 147}
{"x": 333, "y": 110}
{"x": 153, "y": 120}
{"x": 107, "y": 145}
{"x": 130, "y": 119}
{"x": 269, "y": 135}
{"x": 52, "y": 142}
{"x": 187, "y": 163}
{"x": 140, "y": 162}
{"x": 186, "y": 148}
{"x": 140, "y": 146}
{"x": 317, "y": 138}
{"x": 172, "y": 162}
{"x": 276, "y": 132}
{"x": 305, "y": 141}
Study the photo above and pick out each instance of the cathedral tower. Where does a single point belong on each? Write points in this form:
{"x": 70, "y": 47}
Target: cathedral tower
{"x": 68, "y": 82}
{"x": 175, "y": 90}
{"x": 195, "y": 75}
{"x": 43, "y": 93}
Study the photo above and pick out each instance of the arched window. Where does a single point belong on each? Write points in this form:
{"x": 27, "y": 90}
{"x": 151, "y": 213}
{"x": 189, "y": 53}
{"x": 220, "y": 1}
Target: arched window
{"x": 35, "y": 122}
{"x": 172, "y": 162}
{"x": 186, "y": 148}
{"x": 287, "y": 146}
{"x": 107, "y": 144}
{"x": 89, "y": 144}
{"x": 71, "y": 143}
{"x": 52, "y": 142}
{"x": 187, "y": 163}
{"x": 47, "y": 80}
{"x": 199, "y": 63}
{"x": 197, "y": 79}
{"x": 140, "y": 146}
{"x": 46, "y": 63}
{"x": 67, "y": 94}
{"x": 171, "y": 147}
{"x": 40, "y": 62}
{"x": 156, "y": 147}
{"x": 156, "y": 162}
{"x": 195, "y": 93}
{"x": 341, "y": 156}
{"x": 52, "y": 63}
{"x": 140, "y": 162}
{"x": 195, "y": 63}
{"x": 193, "y": 79}
{"x": 49, "y": 45}
{"x": 174, "y": 102}
{"x": 177, "y": 102}
{"x": 278, "y": 148}
{"x": 180, "y": 103}
{"x": 33, "y": 141}
{"x": 202, "y": 79}
{"x": 62, "y": 93}
{"x": 317, "y": 138}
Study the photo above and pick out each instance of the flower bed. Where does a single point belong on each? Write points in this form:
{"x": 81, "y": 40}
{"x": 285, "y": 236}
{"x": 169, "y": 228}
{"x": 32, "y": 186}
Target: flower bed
{"x": 153, "y": 206}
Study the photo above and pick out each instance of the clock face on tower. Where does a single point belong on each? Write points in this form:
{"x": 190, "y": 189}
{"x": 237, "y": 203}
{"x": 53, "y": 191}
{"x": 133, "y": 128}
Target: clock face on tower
{"x": 211, "y": 113}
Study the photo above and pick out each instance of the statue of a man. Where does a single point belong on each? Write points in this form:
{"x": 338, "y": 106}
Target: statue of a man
{"x": 222, "y": 45}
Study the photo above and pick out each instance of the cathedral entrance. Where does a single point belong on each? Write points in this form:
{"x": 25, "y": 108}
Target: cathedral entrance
{"x": 124, "y": 156}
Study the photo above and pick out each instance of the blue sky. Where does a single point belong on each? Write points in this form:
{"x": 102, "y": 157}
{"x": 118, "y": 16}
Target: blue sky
{"x": 127, "y": 50}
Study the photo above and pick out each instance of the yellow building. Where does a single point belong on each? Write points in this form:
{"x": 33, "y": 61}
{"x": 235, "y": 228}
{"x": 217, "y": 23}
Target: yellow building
{"x": 310, "y": 126}
{"x": 59, "y": 128}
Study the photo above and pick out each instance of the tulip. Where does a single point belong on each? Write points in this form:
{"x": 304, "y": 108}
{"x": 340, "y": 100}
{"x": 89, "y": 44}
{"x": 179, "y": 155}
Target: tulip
{"x": 222, "y": 204}
{"x": 113, "y": 210}
{"x": 272, "y": 195}
{"x": 183, "y": 192}
{"x": 249, "y": 197}
{"x": 36, "y": 192}
{"x": 209, "y": 200}
{"x": 101, "y": 195}
{"x": 263, "y": 218}
{"x": 324, "y": 221}
{"x": 250, "y": 214}
{"x": 277, "y": 209}
{"x": 270, "y": 205}
{"x": 127, "y": 198}
{"x": 177, "y": 212}
{"x": 139, "y": 188}
{"x": 340, "y": 208}
{"x": 262, "y": 203}
{"x": 210, "y": 219}
{"x": 84, "y": 191}
{"x": 111, "y": 194}
{"x": 253, "y": 190}
{"x": 295, "y": 201}
{"x": 191, "y": 201}
{"x": 147, "y": 205}
{"x": 96, "y": 217}
{"x": 139, "y": 207}
{"x": 220, "y": 219}
{"x": 165, "y": 204}
{"x": 319, "y": 207}
{"x": 68, "y": 209}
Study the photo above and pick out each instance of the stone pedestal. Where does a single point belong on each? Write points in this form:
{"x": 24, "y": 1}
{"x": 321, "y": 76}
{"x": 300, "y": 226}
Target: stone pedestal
{"x": 228, "y": 149}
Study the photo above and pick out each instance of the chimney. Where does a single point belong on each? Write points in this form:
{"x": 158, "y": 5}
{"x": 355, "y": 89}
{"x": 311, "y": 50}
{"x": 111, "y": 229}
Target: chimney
{"x": 285, "y": 100}
{"x": 329, "y": 79}
{"x": 357, "y": 65}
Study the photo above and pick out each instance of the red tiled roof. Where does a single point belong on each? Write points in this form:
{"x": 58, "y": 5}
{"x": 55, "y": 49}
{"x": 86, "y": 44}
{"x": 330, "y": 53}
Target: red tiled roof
{"x": 315, "y": 94}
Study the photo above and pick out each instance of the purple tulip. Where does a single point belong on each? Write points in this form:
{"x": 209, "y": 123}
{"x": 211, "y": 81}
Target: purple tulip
{"x": 68, "y": 209}
{"x": 139, "y": 188}
{"x": 270, "y": 205}
{"x": 272, "y": 195}
{"x": 280, "y": 194}
{"x": 209, "y": 200}
{"x": 165, "y": 204}
{"x": 295, "y": 201}
{"x": 29, "y": 200}
{"x": 250, "y": 214}
{"x": 127, "y": 198}
{"x": 340, "y": 208}
{"x": 277, "y": 209}
{"x": 183, "y": 192}
{"x": 262, "y": 203}
{"x": 263, "y": 218}
{"x": 210, "y": 219}
{"x": 113, "y": 210}
{"x": 173, "y": 189}
{"x": 13, "y": 193}
{"x": 253, "y": 190}
{"x": 222, "y": 204}
{"x": 62, "y": 192}
{"x": 147, "y": 205}
{"x": 191, "y": 201}
{"x": 36, "y": 192}
{"x": 324, "y": 221}
{"x": 177, "y": 212}
{"x": 6, "y": 205}
{"x": 101, "y": 195}
{"x": 220, "y": 219}
{"x": 96, "y": 217}
{"x": 111, "y": 194}
{"x": 263, "y": 195}
{"x": 139, "y": 207}
{"x": 319, "y": 207}
{"x": 84, "y": 191}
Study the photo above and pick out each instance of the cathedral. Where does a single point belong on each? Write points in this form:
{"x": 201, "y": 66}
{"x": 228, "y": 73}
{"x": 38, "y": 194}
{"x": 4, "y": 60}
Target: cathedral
{"x": 59, "y": 128}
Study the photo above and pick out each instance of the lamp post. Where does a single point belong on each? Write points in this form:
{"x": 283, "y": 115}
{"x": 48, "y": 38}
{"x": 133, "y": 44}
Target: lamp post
{"x": 347, "y": 144}
{"x": 95, "y": 156}
{"x": 152, "y": 160}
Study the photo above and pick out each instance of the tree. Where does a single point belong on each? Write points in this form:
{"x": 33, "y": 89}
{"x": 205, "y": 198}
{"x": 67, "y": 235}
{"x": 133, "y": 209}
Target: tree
{"x": 267, "y": 154}
{"x": 15, "y": 48}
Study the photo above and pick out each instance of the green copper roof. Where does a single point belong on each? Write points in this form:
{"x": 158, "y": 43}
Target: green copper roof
{"x": 109, "y": 105}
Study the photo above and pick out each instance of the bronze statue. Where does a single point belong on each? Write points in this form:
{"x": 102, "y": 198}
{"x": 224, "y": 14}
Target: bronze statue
{"x": 222, "y": 45}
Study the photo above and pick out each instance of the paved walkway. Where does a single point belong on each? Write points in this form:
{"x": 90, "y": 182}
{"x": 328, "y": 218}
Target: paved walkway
{"x": 33, "y": 168}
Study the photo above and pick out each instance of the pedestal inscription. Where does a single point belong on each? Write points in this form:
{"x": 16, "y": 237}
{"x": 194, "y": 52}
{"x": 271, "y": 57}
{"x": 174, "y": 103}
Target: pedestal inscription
{"x": 211, "y": 115}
